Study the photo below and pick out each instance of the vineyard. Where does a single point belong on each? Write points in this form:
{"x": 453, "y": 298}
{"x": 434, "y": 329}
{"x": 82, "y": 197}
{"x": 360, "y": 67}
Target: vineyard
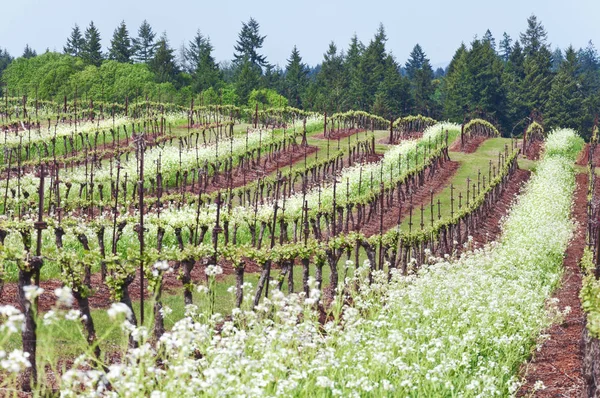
{"x": 149, "y": 249}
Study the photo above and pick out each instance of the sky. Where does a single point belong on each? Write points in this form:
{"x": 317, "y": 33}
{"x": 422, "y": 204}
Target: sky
{"x": 438, "y": 26}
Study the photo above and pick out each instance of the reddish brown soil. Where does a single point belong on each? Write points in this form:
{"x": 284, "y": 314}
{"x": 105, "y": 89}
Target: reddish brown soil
{"x": 421, "y": 196}
{"x": 339, "y": 134}
{"x": 490, "y": 228}
{"x": 405, "y": 137}
{"x": 101, "y": 296}
{"x": 241, "y": 178}
{"x": 104, "y": 151}
{"x": 534, "y": 150}
{"x": 584, "y": 156}
{"x": 558, "y": 364}
{"x": 470, "y": 146}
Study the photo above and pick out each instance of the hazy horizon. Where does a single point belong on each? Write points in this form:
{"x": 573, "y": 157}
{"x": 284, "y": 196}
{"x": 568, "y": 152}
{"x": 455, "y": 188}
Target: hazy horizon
{"x": 310, "y": 25}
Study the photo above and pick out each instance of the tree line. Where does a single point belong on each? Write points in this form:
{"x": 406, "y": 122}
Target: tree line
{"x": 510, "y": 83}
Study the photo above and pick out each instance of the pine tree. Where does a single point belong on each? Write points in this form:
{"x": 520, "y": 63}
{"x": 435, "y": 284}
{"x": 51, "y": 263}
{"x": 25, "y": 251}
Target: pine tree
{"x": 28, "y": 52}
{"x": 248, "y": 43}
{"x": 538, "y": 79}
{"x": 422, "y": 85}
{"x": 371, "y": 69}
{"x": 512, "y": 80}
{"x": 537, "y": 66}
{"x": 393, "y": 97}
{"x": 247, "y": 78}
{"x": 485, "y": 90}
{"x": 75, "y": 42}
{"x": 456, "y": 86}
{"x": 330, "y": 88}
{"x": 163, "y": 63}
{"x": 415, "y": 61}
{"x": 489, "y": 38}
{"x": 201, "y": 64}
{"x": 534, "y": 37}
{"x": 120, "y": 45}
{"x": 565, "y": 102}
{"x": 589, "y": 75}
{"x": 273, "y": 78}
{"x": 557, "y": 59}
{"x": 144, "y": 45}
{"x": 351, "y": 67}
{"x": 5, "y": 60}
{"x": 91, "y": 52}
{"x": 505, "y": 47}
{"x": 296, "y": 79}
{"x": 419, "y": 72}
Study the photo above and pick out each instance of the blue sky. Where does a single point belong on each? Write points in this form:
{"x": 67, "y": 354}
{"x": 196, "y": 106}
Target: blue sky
{"x": 439, "y": 26}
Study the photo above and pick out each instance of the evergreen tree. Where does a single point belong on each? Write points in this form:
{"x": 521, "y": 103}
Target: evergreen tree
{"x": 163, "y": 63}
{"x": 489, "y": 38}
{"x": 248, "y": 43}
{"x": 91, "y": 52}
{"x": 538, "y": 64}
{"x": 201, "y": 64}
{"x": 416, "y": 59}
{"x": 557, "y": 59}
{"x": 296, "y": 79}
{"x": 534, "y": 37}
{"x": 538, "y": 79}
{"x": 330, "y": 87}
{"x": 75, "y": 42}
{"x": 371, "y": 69}
{"x": 512, "y": 80}
{"x": 419, "y": 72}
{"x": 144, "y": 45}
{"x": 456, "y": 83}
{"x": 351, "y": 67}
{"x": 485, "y": 90}
{"x": 393, "y": 98}
{"x": 28, "y": 52}
{"x": 422, "y": 88}
{"x": 5, "y": 60}
{"x": 505, "y": 47}
{"x": 247, "y": 78}
{"x": 589, "y": 75}
{"x": 120, "y": 45}
{"x": 565, "y": 102}
{"x": 274, "y": 79}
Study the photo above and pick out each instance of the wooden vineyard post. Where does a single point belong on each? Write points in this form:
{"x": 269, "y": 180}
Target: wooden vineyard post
{"x": 451, "y": 201}
{"x": 141, "y": 148}
{"x": 468, "y": 187}
{"x": 256, "y": 116}
{"x": 381, "y": 227}
{"x": 431, "y": 206}
{"x": 410, "y": 223}
{"x": 30, "y": 308}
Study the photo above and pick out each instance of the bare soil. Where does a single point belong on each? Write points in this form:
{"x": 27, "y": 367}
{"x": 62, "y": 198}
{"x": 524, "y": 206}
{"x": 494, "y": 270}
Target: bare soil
{"x": 584, "y": 156}
{"x": 535, "y": 150}
{"x": 490, "y": 228}
{"x": 421, "y": 196}
{"x": 339, "y": 134}
{"x": 470, "y": 146}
